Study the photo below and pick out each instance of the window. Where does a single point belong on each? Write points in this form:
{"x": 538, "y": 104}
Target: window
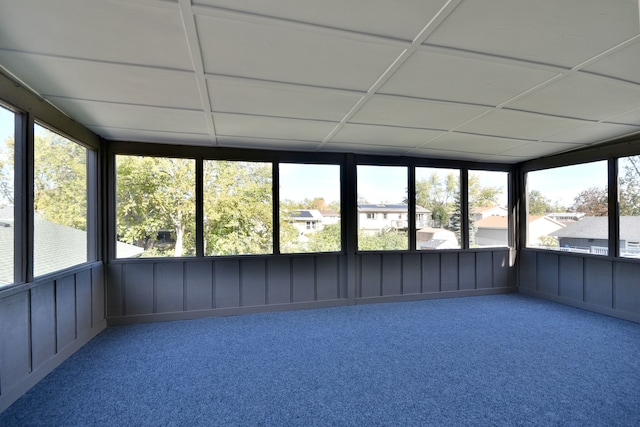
{"x": 438, "y": 208}
{"x": 155, "y": 207}
{"x": 488, "y": 209}
{"x": 238, "y": 208}
{"x": 59, "y": 202}
{"x": 7, "y": 224}
{"x": 629, "y": 203}
{"x": 568, "y": 208}
{"x": 382, "y": 190}
{"x": 309, "y": 208}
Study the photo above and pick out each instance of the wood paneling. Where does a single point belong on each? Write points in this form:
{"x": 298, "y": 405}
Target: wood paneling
{"x": 466, "y": 270}
{"x": 138, "y": 289}
{"x": 411, "y": 274}
{"x": 627, "y": 288}
{"x": 254, "y": 290}
{"x": 279, "y": 280}
{"x": 169, "y": 287}
{"x": 43, "y": 323}
{"x": 328, "y": 277}
{"x": 528, "y": 268}
{"x": 15, "y": 360}
{"x": 430, "y": 272}
{"x": 392, "y": 274}
{"x": 303, "y": 279}
{"x": 548, "y": 273}
{"x": 571, "y": 283}
{"x": 65, "y": 312}
{"x": 484, "y": 270}
{"x": 370, "y": 275}
{"x": 598, "y": 287}
{"x": 83, "y": 302}
{"x": 227, "y": 283}
{"x": 449, "y": 271}
{"x": 199, "y": 285}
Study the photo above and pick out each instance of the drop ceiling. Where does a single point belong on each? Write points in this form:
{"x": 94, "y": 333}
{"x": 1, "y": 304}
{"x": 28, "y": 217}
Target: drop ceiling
{"x": 493, "y": 80}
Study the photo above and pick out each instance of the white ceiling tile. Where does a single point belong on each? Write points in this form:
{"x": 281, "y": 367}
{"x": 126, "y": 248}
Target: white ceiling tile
{"x": 473, "y": 144}
{"x": 631, "y": 117}
{"x": 563, "y": 33}
{"x": 266, "y": 143}
{"x": 101, "y": 30}
{"x": 118, "y": 134}
{"x": 383, "y": 135}
{"x": 447, "y": 77}
{"x": 434, "y": 153}
{"x": 623, "y": 64}
{"x": 402, "y": 19}
{"x": 271, "y": 127}
{"x": 519, "y": 125}
{"x": 103, "y": 114}
{"x": 356, "y": 148}
{"x": 534, "y": 150}
{"x": 61, "y": 77}
{"x": 261, "y": 98}
{"x": 594, "y": 132}
{"x": 411, "y": 112}
{"x": 583, "y": 96}
{"x": 281, "y": 54}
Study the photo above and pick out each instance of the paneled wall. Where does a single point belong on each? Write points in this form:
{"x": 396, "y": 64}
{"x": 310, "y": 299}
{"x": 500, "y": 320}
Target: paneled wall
{"x": 605, "y": 285}
{"x": 152, "y": 290}
{"x": 43, "y": 323}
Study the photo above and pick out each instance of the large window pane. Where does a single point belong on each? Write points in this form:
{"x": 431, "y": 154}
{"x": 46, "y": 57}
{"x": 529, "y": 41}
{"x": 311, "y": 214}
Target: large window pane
{"x": 438, "y": 219}
{"x": 568, "y": 208}
{"x": 383, "y": 213}
{"x": 7, "y": 225}
{"x": 309, "y": 208}
{"x": 488, "y": 209}
{"x": 155, "y": 207}
{"x": 629, "y": 202}
{"x": 59, "y": 202}
{"x": 238, "y": 208}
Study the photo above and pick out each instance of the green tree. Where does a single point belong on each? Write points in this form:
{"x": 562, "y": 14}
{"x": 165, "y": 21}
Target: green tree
{"x": 630, "y": 186}
{"x": 437, "y": 194}
{"x": 60, "y": 180}
{"x": 592, "y": 202}
{"x": 538, "y": 204}
{"x": 238, "y": 208}
{"x": 7, "y": 160}
{"x": 156, "y": 194}
{"x": 385, "y": 240}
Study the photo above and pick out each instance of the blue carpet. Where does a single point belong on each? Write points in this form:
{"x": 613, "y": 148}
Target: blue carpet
{"x": 495, "y": 360}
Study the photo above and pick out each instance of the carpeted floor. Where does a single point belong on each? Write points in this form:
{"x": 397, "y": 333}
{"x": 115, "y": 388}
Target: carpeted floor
{"x": 495, "y": 360}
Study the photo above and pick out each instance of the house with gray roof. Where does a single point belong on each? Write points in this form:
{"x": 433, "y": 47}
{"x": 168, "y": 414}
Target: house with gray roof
{"x": 591, "y": 234}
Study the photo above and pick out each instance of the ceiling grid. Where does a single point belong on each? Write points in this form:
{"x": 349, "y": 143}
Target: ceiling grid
{"x": 499, "y": 81}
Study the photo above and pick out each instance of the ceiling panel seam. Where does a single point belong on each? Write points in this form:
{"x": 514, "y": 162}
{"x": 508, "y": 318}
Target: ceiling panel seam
{"x": 267, "y": 20}
{"x": 193, "y": 42}
{"x": 431, "y": 26}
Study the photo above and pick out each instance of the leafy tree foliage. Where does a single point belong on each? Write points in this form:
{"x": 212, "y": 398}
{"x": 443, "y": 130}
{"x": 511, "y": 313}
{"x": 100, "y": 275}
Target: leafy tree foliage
{"x": 60, "y": 180}
{"x": 238, "y": 208}
{"x": 384, "y": 240}
{"x": 7, "y": 159}
{"x": 630, "y": 187}
{"x": 592, "y": 202}
{"x": 437, "y": 195}
{"x": 156, "y": 194}
{"x": 540, "y": 205}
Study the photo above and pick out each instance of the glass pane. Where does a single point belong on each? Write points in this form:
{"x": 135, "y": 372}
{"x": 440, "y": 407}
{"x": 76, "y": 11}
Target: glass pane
{"x": 155, "y": 207}
{"x": 568, "y": 208}
{"x": 59, "y": 202}
{"x": 7, "y": 143}
{"x": 629, "y": 199}
{"x": 309, "y": 208}
{"x": 383, "y": 212}
{"x": 488, "y": 209}
{"x": 438, "y": 208}
{"x": 238, "y": 208}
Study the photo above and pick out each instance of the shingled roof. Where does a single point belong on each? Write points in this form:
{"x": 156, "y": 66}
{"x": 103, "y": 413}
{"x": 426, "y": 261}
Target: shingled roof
{"x": 597, "y": 227}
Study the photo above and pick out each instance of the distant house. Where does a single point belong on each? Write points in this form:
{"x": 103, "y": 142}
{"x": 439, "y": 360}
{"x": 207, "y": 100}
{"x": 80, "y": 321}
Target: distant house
{"x": 329, "y": 217}
{"x": 492, "y": 231}
{"x": 436, "y": 238}
{"x": 540, "y": 226}
{"x": 482, "y": 212}
{"x": 566, "y": 217}
{"x": 379, "y": 217}
{"x": 591, "y": 234}
{"x": 306, "y": 220}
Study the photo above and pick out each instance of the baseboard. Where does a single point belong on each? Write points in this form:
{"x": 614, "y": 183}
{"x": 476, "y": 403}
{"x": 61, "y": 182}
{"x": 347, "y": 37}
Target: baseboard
{"x": 607, "y": 311}
{"x": 219, "y": 312}
{"x": 437, "y": 295}
{"x": 9, "y": 396}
